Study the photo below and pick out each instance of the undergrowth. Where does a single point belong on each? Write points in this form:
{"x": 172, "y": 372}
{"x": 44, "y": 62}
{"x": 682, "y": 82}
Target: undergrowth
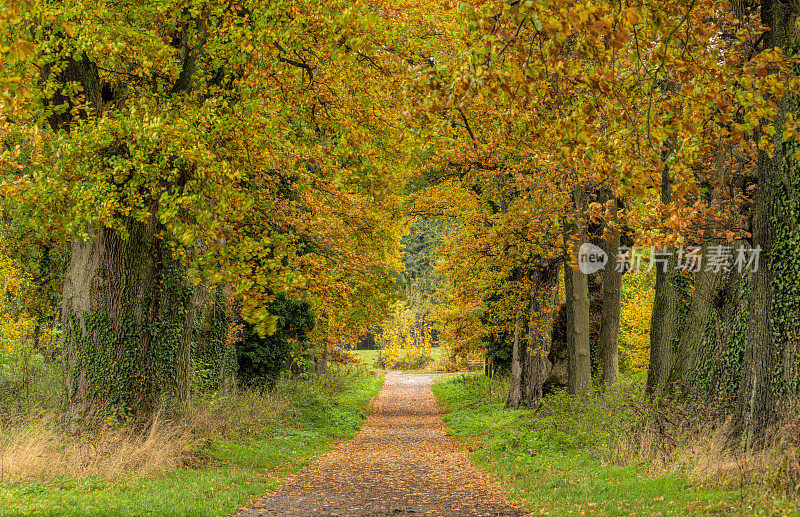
{"x": 226, "y": 452}
{"x": 612, "y": 453}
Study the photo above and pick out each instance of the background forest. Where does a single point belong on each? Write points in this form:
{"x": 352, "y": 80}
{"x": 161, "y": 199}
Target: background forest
{"x": 204, "y": 204}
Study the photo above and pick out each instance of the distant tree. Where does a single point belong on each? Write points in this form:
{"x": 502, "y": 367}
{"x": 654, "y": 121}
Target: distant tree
{"x": 419, "y": 282}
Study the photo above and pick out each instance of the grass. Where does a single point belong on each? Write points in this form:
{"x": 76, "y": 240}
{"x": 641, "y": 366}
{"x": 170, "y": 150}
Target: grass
{"x": 244, "y": 446}
{"x": 560, "y": 459}
{"x": 368, "y": 358}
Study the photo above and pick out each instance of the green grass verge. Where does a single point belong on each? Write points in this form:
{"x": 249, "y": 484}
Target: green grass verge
{"x": 554, "y": 462}
{"x": 242, "y": 467}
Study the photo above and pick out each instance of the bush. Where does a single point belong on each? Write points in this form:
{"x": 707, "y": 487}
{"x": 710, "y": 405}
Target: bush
{"x": 408, "y": 358}
{"x": 28, "y": 384}
{"x": 262, "y": 359}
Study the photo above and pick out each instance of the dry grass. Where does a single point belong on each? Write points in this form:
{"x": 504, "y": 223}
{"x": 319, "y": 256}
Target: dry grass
{"x": 774, "y": 469}
{"x": 699, "y": 447}
{"x": 40, "y": 451}
{"x": 679, "y": 437}
{"x": 36, "y": 447}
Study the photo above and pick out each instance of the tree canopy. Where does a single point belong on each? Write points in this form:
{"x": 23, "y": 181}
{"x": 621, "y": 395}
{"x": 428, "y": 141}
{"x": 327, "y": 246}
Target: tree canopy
{"x": 170, "y": 159}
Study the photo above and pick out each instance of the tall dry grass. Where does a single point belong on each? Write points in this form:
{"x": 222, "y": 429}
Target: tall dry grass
{"x": 773, "y": 469}
{"x": 38, "y": 447}
{"x": 693, "y": 439}
{"x": 39, "y": 450}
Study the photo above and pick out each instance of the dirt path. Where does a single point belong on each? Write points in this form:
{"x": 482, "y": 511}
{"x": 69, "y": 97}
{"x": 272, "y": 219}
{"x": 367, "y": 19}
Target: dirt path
{"x": 400, "y": 463}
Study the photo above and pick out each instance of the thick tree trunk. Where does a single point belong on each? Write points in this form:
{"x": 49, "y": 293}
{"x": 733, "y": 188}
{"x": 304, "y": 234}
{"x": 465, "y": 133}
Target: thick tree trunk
{"x": 709, "y": 356}
{"x": 122, "y": 316}
{"x": 756, "y": 405}
{"x": 124, "y": 299}
{"x": 697, "y": 370}
{"x": 579, "y": 366}
{"x": 771, "y": 353}
{"x": 609, "y": 320}
{"x": 544, "y": 304}
{"x": 694, "y": 344}
{"x": 664, "y": 330}
{"x": 86, "y": 74}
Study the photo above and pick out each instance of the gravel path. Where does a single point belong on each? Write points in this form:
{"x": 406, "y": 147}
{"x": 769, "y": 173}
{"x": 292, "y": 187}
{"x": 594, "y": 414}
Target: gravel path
{"x": 400, "y": 463}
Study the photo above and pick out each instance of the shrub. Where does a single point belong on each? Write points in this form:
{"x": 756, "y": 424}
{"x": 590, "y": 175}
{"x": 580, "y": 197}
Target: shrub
{"x": 409, "y": 358}
{"x": 27, "y": 382}
{"x": 262, "y": 359}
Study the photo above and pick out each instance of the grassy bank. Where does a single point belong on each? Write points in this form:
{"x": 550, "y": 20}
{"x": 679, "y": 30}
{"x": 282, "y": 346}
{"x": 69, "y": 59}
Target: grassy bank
{"x": 232, "y": 450}
{"x": 577, "y": 457}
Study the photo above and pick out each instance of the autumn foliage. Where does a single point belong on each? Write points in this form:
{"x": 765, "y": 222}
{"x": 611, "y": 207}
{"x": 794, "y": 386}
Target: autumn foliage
{"x": 172, "y": 171}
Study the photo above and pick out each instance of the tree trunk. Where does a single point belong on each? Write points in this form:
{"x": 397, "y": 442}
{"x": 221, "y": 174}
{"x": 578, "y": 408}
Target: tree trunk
{"x": 579, "y": 366}
{"x": 771, "y": 355}
{"x": 693, "y": 345}
{"x": 322, "y": 363}
{"x": 517, "y": 369}
{"x": 609, "y": 320}
{"x": 225, "y": 335}
{"x": 544, "y": 304}
{"x": 704, "y": 343}
{"x": 183, "y": 359}
{"x": 122, "y": 315}
{"x": 665, "y": 321}
{"x": 664, "y": 330}
{"x": 183, "y": 362}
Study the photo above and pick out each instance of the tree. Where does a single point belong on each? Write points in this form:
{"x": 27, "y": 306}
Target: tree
{"x": 612, "y": 291}
{"x": 579, "y": 367}
{"x": 542, "y": 313}
{"x": 772, "y": 354}
{"x": 418, "y": 282}
{"x": 665, "y": 326}
{"x": 642, "y": 101}
{"x": 201, "y": 143}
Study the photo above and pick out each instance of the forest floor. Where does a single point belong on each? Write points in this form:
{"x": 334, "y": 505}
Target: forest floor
{"x": 401, "y": 463}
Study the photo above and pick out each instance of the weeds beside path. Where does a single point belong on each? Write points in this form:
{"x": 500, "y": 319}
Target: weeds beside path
{"x": 246, "y": 446}
{"x": 555, "y": 461}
